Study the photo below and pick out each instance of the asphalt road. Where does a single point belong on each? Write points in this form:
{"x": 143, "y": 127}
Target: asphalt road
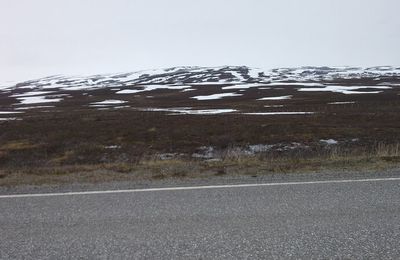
{"x": 351, "y": 219}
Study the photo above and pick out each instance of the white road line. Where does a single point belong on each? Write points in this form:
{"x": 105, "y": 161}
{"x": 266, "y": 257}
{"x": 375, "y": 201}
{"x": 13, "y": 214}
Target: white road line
{"x": 192, "y": 188}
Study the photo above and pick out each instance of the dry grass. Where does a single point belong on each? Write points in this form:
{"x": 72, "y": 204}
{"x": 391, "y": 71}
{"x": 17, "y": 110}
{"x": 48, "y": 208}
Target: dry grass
{"x": 387, "y": 150}
{"x": 18, "y": 145}
{"x": 381, "y": 156}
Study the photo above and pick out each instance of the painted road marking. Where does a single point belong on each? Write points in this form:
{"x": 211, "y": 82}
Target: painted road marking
{"x": 192, "y": 188}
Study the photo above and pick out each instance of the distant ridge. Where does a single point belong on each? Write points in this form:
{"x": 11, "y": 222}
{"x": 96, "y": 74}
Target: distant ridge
{"x": 210, "y": 75}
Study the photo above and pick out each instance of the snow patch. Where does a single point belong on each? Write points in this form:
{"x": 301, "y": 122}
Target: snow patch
{"x": 273, "y": 106}
{"x": 328, "y": 141}
{"x": 9, "y": 119}
{"x": 152, "y": 88}
{"x": 342, "y": 103}
{"x": 279, "y": 113}
{"x": 32, "y": 93}
{"x": 304, "y": 84}
{"x": 190, "y": 111}
{"x": 245, "y": 86}
{"x": 112, "y": 147}
{"x": 129, "y": 91}
{"x": 188, "y": 89}
{"x": 204, "y": 152}
{"x": 216, "y": 96}
{"x": 276, "y": 98}
{"x": 107, "y": 107}
{"x": 109, "y": 102}
{"x": 28, "y": 108}
{"x": 346, "y": 89}
{"x": 38, "y": 100}
{"x": 9, "y": 112}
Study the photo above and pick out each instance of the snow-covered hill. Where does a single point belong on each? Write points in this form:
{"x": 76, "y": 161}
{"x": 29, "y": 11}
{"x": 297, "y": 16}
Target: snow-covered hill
{"x": 205, "y": 75}
{"x": 200, "y": 90}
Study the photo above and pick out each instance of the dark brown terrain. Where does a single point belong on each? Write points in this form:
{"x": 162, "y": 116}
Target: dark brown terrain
{"x": 166, "y": 132}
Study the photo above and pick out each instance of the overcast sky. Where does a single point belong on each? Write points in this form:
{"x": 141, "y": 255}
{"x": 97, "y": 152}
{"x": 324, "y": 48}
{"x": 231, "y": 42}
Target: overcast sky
{"x": 45, "y": 37}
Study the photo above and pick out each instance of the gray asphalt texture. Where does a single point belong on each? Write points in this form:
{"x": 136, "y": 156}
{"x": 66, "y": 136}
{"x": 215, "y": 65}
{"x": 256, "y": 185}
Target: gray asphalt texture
{"x": 357, "y": 220}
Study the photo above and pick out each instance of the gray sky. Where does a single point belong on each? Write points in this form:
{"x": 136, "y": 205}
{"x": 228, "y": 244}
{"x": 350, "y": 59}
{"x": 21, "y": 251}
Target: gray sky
{"x": 46, "y": 37}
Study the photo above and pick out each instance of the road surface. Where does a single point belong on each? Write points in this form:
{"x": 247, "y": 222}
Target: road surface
{"x": 354, "y": 219}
